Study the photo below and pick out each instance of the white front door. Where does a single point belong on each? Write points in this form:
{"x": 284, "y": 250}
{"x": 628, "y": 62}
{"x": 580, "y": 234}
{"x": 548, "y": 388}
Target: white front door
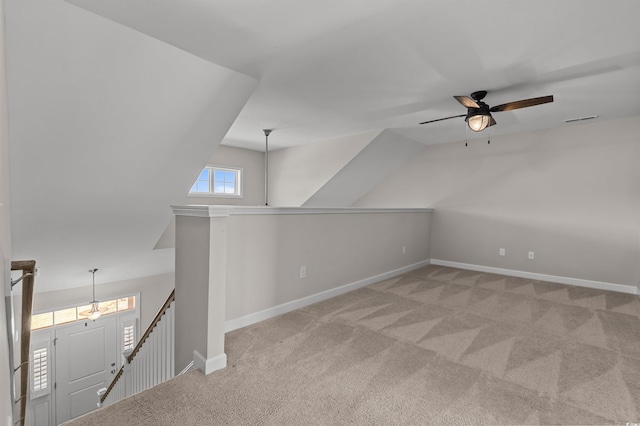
{"x": 86, "y": 357}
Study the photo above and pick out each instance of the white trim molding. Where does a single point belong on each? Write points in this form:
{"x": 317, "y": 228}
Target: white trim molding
{"x": 209, "y": 365}
{"x": 265, "y": 314}
{"x": 221, "y": 211}
{"x": 621, "y": 288}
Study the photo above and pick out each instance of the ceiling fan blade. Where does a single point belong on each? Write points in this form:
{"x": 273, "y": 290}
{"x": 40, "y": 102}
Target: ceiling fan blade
{"x": 492, "y": 122}
{"x": 524, "y": 103}
{"x": 441, "y": 119}
{"x": 467, "y": 101}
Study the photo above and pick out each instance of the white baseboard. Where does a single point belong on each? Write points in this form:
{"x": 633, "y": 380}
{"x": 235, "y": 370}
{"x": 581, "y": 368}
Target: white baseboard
{"x": 265, "y": 314}
{"x": 622, "y": 288}
{"x": 209, "y": 365}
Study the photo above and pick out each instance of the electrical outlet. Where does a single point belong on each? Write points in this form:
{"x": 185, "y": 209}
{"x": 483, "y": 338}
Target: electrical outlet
{"x": 303, "y": 272}
{"x": 503, "y": 252}
{"x": 404, "y": 249}
{"x": 531, "y": 255}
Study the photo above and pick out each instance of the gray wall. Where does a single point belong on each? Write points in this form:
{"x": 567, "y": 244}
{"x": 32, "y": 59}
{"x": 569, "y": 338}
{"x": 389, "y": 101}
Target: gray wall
{"x": 571, "y": 195}
{"x": 265, "y": 253}
{"x": 5, "y": 234}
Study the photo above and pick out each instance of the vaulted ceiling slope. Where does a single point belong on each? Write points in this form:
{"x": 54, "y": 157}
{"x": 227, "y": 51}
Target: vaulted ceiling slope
{"x": 332, "y": 67}
{"x": 387, "y": 153}
{"x": 108, "y": 127}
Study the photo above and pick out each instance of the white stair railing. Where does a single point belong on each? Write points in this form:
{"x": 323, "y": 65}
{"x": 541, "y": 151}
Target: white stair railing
{"x": 149, "y": 363}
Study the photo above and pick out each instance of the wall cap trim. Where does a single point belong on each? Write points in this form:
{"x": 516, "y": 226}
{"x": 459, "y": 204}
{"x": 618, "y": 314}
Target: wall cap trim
{"x": 223, "y": 211}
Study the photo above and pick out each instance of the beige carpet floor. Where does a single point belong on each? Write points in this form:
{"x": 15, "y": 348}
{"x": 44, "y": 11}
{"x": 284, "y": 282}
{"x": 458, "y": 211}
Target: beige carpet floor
{"x": 438, "y": 346}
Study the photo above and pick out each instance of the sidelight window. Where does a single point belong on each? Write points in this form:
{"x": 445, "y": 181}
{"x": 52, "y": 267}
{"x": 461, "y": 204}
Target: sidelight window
{"x": 40, "y": 362}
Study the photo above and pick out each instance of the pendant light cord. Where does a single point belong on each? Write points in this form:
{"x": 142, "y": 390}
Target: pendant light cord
{"x": 93, "y": 271}
{"x": 266, "y": 165}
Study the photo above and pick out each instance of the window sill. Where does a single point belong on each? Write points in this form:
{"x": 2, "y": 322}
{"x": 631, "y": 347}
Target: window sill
{"x": 214, "y": 196}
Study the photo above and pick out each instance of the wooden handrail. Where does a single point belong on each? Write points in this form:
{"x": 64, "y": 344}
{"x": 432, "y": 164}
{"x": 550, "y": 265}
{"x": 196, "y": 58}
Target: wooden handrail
{"x": 28, "y": 268}
{"x": 113, "y": 383}
{"x": 144, "y": 337}
{"x": 153, "y": 324}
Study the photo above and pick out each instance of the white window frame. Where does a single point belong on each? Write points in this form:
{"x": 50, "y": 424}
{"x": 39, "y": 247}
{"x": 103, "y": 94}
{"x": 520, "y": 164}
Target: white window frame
{"x": 239, "y": 182}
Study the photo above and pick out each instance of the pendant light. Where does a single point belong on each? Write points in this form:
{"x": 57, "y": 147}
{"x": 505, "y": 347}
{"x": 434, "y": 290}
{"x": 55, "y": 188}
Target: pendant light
{"x": 95, "y": 312}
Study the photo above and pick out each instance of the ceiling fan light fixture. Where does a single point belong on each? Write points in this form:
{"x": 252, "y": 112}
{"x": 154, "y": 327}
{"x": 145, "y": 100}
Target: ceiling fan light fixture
{"x": 478, "y": 122}
{"x": 478, "y": 116}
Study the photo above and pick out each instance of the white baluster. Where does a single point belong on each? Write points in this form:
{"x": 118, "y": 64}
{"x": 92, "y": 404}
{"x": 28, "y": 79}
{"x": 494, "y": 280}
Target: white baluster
{"x": 170, "y": 347}
{"x": 154, "y": 369}
{"x": 165, "y": 344}
{"x": 161, "y": 343}
{"x": 153, "y": 364}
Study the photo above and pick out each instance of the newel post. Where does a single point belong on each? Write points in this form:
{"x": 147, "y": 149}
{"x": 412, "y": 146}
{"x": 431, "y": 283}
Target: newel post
{"x": 201, "y": 258}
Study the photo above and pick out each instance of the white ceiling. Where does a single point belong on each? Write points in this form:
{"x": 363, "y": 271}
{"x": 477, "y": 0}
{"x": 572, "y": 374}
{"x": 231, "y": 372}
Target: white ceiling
{"x": 335, "y": 67}
{"x": 104, "y": 99}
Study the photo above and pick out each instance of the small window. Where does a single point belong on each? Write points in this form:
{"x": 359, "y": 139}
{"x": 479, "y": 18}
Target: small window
{"x": 218, "y": 182}
{"x": 64, "y": 316}
{"x": 41, "y": 320}
{"x": 128, "y": 337}
{"x": 39, "y": 369}
{"x": 126, "y": 303}
{"x": 40, "y": 381}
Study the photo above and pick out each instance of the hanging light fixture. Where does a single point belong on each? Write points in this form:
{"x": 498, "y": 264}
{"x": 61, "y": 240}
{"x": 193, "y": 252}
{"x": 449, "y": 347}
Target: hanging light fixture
{"x": 478, "y": 122}
{"x": 95, "y": 311}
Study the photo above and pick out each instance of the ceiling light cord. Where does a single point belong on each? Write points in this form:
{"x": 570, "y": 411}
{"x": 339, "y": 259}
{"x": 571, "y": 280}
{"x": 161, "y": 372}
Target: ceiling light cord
{"x": 93, "y": 271}
{"x": 266, "y": 165}
{"x": 95, "y": 311}
{"x": 466, "y": 135}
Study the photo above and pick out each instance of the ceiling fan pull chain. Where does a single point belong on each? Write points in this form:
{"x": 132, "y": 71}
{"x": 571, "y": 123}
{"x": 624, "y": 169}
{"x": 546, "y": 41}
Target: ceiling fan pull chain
{"x": 466, "y": 135}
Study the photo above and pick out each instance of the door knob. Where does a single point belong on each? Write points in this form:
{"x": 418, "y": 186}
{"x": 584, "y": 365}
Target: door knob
{"x": 113, "y": 371}
{"x": 113, "y": 364}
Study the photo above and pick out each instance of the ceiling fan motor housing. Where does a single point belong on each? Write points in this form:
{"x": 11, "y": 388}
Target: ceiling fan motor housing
{"x": 479, "y": 95}
{"x": 483, "y": 110}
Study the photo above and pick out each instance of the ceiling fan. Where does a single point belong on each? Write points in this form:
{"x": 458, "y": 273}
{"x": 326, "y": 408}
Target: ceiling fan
{"x": 478, "y": 115}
